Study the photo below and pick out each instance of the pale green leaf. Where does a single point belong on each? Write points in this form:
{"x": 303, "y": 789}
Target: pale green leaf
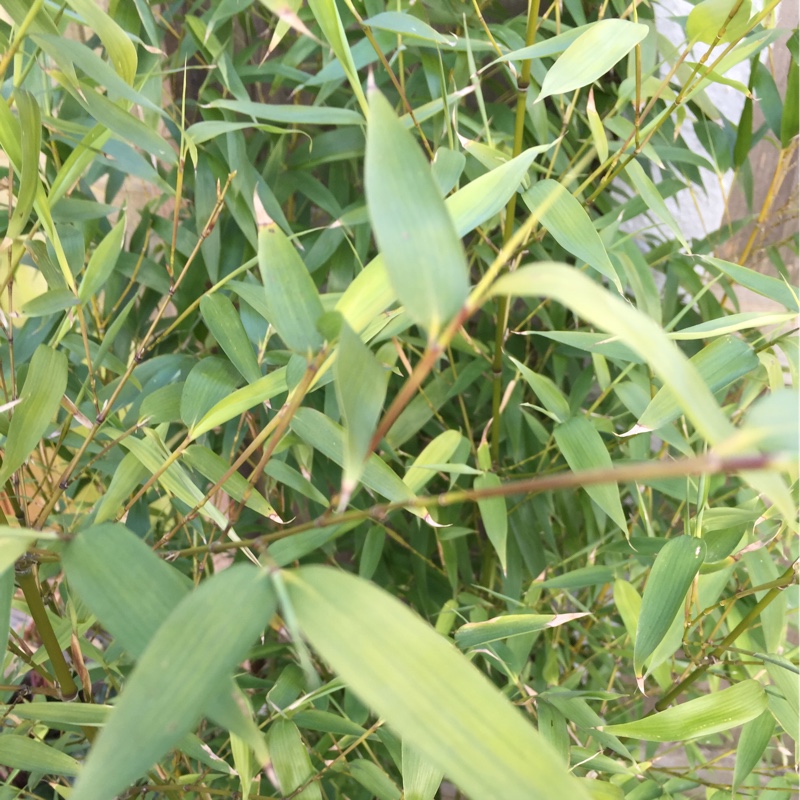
{"x": 30, "y": 129}
{"x": 753, "y": 741}
{"x": 21, "y": 752}
{"x": 40, "y": 399}
{"x": 569, "y": 224}
{"x": 421, "y": 780}
{"x": 478, "y": 634}
{"x": 190, "y": 655}
{"x": 583, "y": 448}
{"x": 435, "y": 454}
{"x": 420, "y": 247}
{"x": 591, "y": 55}
{"x": 647, "y": 190}
{"x": 291, "y": 761}
{"x": 102, "y": 262}
{"x": 712, "y": 713}
{"x": 671, "y": 576}
{"x": 407, "y": 25}
{"x": 494, "y": 516}
{"x": 209, "y": 382}
{"x": 402, "y": 668}
{"x": 710, "y": 18}
{"x": 547, "y": 393}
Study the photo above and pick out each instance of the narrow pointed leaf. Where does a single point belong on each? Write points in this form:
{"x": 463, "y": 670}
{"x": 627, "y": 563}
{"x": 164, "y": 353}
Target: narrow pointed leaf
{"x": 569, "y": 224}
{"x": 477, "y": 634}
{"x": 709, "y": 19}
{"x": 40, "y": 399}
{"x": 226, "y": 326}
{"x": 672, "y": 574}
{"x": 547, "y": 393}
{"x": 648, "y": 191}
{"x": 20, "y": 752}
{"x": 102, "y": 263}
{"x": 438, "y": 451}
{"x": 192, "y": 653}
{"x": 15, "y": 541}
{"x": 360, "y": 389}
{"x": 291, "y": 296}
{"x": 210, "y": 381}
{"x": 755, "y": 737}
{"x": 419, "y": 244}
{"x": 30, "y": 128}
{"x": 402, "y": 668}
{"x": 406, "y": 25}
{"x": 716, "y": 712}
{"x": 583, "y": 448}
{"x": 494, "y": 516}
{"x": 591, "y": 55}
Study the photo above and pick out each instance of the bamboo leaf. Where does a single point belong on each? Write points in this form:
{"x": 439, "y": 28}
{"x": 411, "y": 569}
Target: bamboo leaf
{"x": 421, "y": 780}
{"x": 591, "y": 55}
{"x": 210, "y": 381}
{"x": 672, "y": 574}
{"x": 709, "y": 19}
{"x": 647, "y": 190}
{"x": 227, "y": 328}
{"x": 15, "y": 541}
{"x": 753, "y": 741}
{"x": 569, "y": 224}
{"x": 360, "y": 389}
{"x": 478, "y": 634}
{"x": 419, "y": 244}
{"x": 407, "y": 25}
{"x": 291, "y": 297}
{"x": 291, "y": 114}
{"x": 494, "y": 516}
{"x": 719, "y": 364}
{"x": 719, "y": 711}
{"x": 402, "y": 668}
{"x": 20, "y": 752}
{"x": 583, "y": 448}
{"x": 290, "y": 760}
{"x": 765, "y": 285}
{"x": 550, "y": 396}
{"x": 30, "y": 130}
{"x": 437, "y": 452}
{"x": 102, "y": 263}
{"x": 119, "y": 47}
{"x": 191, "y": 654}
{"x": 40, "y": 399}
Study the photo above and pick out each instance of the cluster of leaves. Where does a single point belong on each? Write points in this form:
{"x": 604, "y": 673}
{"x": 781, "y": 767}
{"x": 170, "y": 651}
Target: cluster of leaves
{"x": 400, "y": 314}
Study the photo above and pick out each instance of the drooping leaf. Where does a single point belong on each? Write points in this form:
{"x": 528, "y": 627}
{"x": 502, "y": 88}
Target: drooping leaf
{"x": 494, "y": 516}
{"x": 402, "y": 668}
{"x": 291, "y": 761}
{"x": 710, "y": 18}
{"x": 478, "y": 634}
{"x": 754, "y": 739}
{"x": 419, "y": 244}
{"x": 102, "y": 262}
{"x": 30, "y": 130}
{"x": 21, "y": 752}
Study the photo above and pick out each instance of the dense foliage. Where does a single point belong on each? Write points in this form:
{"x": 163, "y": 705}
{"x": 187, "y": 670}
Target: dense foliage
{"x": 368, "y": 418}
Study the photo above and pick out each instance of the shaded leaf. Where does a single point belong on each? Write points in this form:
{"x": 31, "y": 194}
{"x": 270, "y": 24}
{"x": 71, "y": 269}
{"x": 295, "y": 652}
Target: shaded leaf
{"x": 20, "y": 752}
{"x": 477, "y": 634}
{"x": 226, "y": 326}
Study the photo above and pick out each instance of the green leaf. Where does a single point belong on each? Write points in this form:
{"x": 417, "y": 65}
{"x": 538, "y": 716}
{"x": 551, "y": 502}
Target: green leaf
{"x": 20, "y": 752}
{"x": 263, "y": 390}
{"x": 291, "y": 114}
{"x": 102, "y": 262}
{"x": 373, "y": 779}
{"x": 478, "y": 634}
{"x": 360, "y": 390}
{"x": 765, "y": 285}
{"x": 118, "y": 45}
{"x": 548, "y": 47}
{"x": 720, "y": 363}
{"x": 291, "y": 761}
{"x": 640, "y": 333}
{"x": 672, "y": 575}
{"x": 753, "y": 741}
{"x": 548, "y": 394}
{"x": 494, "y": 516}
{"x": 591, "y": 55}
{"x": 583, "y": 448}
{"x": 790, "y": 119}
{"x": 706, "y": 21}
{"x": 213, "y": 466}
{"x": 191, "y": 654}
{"x": 729, "y": 324}
{"x": 569, "y": 224}
{"x": 406, "y": 25}
{"x": 51, "y": 302}
{"x": 596, "y": 127}
{"x": 402, "y": 668}
{"x": 713, "y": 713}
{"x": 415, "y": 234}
{"x": 30, "y": 129}
{"x": 56, "y": 715}
{"x": 40, "y": 399}
{"x": 15, "y": 541}
{"x": 437, "y": 452}
{"x": 291, "y": 297}
{"x": 421, "y": 780}
{"x": 327, "y": 15}
{"x": 209, "y": 382}
{"x": 227, "y": 328}
{"x": 488, "y": 194}
{"x": 648, "y": 191}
